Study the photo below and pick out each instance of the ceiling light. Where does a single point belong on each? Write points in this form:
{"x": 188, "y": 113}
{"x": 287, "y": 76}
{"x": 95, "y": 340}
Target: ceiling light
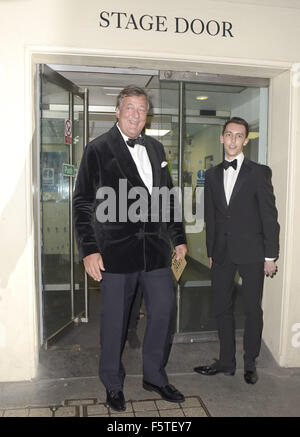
{"x": 201, "y": 98}
{"x": 111, "y": 90}
{"x": 157, "y": 132}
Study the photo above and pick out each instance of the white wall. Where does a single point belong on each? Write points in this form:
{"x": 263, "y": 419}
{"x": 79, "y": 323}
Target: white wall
{"x": 281, "y": 297}
{"x": 68, "y": 31}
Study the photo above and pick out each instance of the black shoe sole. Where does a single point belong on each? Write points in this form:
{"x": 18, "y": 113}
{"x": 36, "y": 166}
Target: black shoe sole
{"x": 251, "y": 381}
{"x": 115, "y": 409}
{"x": 226, "y": 373}
{"x": 150, "y": 388}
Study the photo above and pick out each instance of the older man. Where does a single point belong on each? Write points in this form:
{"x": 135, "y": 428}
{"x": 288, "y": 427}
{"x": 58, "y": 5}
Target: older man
{"x": 129, "y": 249}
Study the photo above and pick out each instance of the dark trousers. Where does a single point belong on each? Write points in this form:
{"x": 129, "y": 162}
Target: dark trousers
{"x": 118, "y": 291}
{"x": 252, "y": 288}
{"x": 135, "y": 309}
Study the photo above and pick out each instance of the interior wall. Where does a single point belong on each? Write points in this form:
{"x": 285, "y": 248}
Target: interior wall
{"x": 246, "y": 105}
{"x": 205, "y": 143}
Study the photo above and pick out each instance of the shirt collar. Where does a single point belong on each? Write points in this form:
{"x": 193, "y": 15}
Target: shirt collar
{"x": 125, "y": 138}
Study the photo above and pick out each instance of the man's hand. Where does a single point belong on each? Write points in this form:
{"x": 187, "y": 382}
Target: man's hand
{"x": 93, "y": 265}
{"x": 270, "y": 268}
{"x": 181, "y": 251}
{"x": 210, "y": 262}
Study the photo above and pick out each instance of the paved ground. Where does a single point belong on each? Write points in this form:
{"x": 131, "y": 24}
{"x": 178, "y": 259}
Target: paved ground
{"x": 192, "y": 407}
{"x": 68, "y": 385}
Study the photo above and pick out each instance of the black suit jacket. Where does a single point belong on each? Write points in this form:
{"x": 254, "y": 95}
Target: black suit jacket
{"x": 247, "y": 229}
{"x": 125, "y": 246}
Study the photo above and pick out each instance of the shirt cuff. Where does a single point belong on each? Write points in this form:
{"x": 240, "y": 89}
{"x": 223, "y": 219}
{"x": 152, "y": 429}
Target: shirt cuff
{"x": 270, "y": 259}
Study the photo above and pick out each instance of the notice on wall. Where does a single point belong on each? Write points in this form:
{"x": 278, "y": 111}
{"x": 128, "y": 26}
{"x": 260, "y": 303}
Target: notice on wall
{"x": 68, "y": 170}
{"x": 68, "y": 132}
{"x": 200, "y": 177}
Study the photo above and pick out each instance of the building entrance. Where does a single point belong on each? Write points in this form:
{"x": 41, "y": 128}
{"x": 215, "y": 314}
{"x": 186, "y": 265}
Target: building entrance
{"x": 188, "y": 112}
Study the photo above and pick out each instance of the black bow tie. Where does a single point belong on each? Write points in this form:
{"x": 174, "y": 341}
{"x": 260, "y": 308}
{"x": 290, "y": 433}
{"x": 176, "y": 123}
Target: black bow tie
{"x": 227, "y": 164}
{"x": 133, "y": 141}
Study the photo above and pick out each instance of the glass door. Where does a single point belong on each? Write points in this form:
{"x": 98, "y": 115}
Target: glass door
{"x": 62, "y": 131}
{"x": 193, "y": 115}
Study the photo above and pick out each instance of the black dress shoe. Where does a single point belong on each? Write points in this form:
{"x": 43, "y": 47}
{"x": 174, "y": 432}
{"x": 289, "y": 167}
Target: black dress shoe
{"x": 115, "y": 399}
{"x": 250, "y": 376}
{"x": 213, "y": 370}
{"x": 167, "y": 392}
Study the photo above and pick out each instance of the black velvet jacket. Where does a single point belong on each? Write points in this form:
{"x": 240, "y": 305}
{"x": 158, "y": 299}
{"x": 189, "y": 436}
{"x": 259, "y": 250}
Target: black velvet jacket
{"x": 125, "y": 246}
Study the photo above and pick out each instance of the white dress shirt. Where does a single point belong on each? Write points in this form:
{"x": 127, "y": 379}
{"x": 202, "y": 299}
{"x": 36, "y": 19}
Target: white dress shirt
{"x": 140, "y": 156}
{"x": 230, "y": 177}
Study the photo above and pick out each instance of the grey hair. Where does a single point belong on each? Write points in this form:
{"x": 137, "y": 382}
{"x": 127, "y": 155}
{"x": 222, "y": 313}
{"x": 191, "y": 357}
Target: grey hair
{"x": 132, "y": 90}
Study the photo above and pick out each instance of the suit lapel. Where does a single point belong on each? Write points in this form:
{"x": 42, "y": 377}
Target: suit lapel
{"x": 220, "y": 182}
{"x": 242, "y": 177}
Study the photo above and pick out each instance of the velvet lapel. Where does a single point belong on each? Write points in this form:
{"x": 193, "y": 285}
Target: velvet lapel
{"x": 242, "y": 177}
{"x": 124, "y": 158}
{"x": 155, "y": 162}
{"x": 220, "y": 182}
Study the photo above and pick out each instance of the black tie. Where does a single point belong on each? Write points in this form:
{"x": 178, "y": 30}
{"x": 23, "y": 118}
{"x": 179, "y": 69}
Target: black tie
{"x": 227, "y": 164}
{"x": 133, "y": 141}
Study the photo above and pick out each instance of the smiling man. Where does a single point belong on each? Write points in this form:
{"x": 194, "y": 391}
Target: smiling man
{"x": 242, "y": 234}
{"x": 123, "y": 254}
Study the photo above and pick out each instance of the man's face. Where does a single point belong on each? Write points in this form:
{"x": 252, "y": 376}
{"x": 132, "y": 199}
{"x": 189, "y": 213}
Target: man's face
{"x": 234, "y": 139}
{"x": 132, "y": 115}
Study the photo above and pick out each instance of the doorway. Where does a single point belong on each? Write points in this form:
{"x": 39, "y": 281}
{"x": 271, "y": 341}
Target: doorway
{"x": 188, "y": 112}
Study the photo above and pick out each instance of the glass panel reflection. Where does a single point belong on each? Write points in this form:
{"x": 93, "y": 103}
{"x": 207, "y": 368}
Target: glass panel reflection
{"x": 55, "y": 193}
{"x": 79, "y": 275}
{"x": 206, "y": 108}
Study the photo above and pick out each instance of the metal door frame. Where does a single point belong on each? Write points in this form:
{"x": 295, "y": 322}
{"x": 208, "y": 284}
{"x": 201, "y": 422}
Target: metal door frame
{"x": 73, "y": 89}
